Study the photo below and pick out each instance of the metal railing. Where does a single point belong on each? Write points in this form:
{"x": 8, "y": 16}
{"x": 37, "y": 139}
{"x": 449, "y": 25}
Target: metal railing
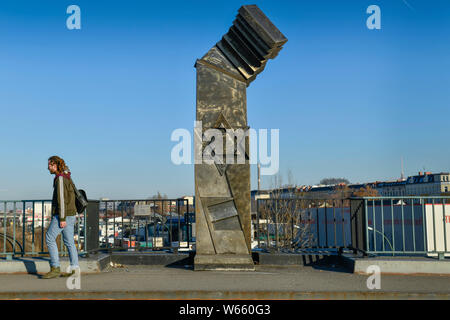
{"x": 302, "y": 225}
{"x": 403, "y": 225}
{"x": 373, "y": 225}
{"x": 149, "y": 224}
{"x": 23, "y": 224}
{"x": 156, "y": 224}
{"x": 393, "y": 226}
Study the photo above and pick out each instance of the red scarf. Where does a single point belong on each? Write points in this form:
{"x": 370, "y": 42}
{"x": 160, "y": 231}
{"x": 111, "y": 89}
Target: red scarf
{"x": 65, "y": 175}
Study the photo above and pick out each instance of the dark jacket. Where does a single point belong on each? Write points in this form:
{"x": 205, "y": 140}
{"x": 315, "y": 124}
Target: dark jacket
{"x": 63, "y": 201}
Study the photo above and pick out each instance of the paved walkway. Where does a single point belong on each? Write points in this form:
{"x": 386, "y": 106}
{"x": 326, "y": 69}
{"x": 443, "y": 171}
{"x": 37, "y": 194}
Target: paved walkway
{"x": 157, "y": 282}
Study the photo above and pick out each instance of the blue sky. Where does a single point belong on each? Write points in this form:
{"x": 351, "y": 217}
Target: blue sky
{"x": 349, "y": 101}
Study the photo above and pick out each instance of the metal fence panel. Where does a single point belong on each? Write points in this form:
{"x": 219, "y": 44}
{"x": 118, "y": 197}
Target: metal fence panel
{"x": 23, "y": 224}
{"x": 406, "y": 225}
{"x": 145, "y": 224}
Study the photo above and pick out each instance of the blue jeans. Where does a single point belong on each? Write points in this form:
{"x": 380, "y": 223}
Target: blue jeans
{"x": 67, "y": 233}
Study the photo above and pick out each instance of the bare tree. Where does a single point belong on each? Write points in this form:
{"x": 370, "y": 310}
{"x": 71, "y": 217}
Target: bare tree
{"x": 333, "y": 181}
{"x": 368, "y": 191}
{"x": 162, "y": 205}
{"x": 285, "y": 219}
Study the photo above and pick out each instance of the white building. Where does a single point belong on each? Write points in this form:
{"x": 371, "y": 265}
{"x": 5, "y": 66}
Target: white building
{"x": 428, "y": 184}
{"x": 391, "y": 188}
{"x": 190, "y": 199}
{"x": 41, "y": 217}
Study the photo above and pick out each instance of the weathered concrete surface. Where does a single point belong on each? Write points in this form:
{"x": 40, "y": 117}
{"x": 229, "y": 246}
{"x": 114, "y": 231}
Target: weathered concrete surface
{"x": 156, "y": 282}
{"x": 291, "y": 259}
{"x": 97, "y": 262}
{"x": 398, "y": 265}
{"x": 153, "y": 258}
{"x": 223, "y": 262}
{"x": 35, "y": 265}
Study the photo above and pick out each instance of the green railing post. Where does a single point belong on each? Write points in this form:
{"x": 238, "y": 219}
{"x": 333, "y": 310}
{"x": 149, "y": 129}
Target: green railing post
{"x": 32, "y": 227}
{"x": 326, "y": 223}
{"x": 106, "y": 225}
{"x": 257, "y": 223}
{"x": 114, "y": 225}
{"x": 121, "y": 211}
{"x": 5, "y": 230}
{"x": 393, "y": 227}
{"x": 366, "y": 225}
{"x": 317, "y": 227}
{"x": 434, "y": 227}
{"x": 42, "y": 227}
{"x": 84, "y": 232}
{"x": 382, "y": 223}
{"x": 179, "y": 222}
{"x": 444, "y": 224}
{"x": 413, "y": 217}
{"x": 14, "y": 226}
{"x": 425, "y": 231}
{"x": 343, "y": 223}
{"x": 374, "y": 226}
{"x": 403, "y": 226}
{"x": 23, "y": 228}
{"x": 276, "y": 225}
{"x": 335, "y": 226}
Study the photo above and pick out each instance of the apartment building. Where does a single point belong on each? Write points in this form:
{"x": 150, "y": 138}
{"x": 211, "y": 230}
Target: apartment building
{"x": 427, "y": 183}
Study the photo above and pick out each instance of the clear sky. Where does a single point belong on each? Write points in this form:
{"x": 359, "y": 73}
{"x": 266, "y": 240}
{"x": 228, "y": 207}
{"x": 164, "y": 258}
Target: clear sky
{"x": 348, "y": 101}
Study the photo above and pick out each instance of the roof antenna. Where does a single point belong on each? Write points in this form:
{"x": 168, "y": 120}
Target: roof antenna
{"x": 403, "y": 174}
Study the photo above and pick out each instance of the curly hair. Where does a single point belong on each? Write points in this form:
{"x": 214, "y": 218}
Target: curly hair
{"x": 60, "y": 164}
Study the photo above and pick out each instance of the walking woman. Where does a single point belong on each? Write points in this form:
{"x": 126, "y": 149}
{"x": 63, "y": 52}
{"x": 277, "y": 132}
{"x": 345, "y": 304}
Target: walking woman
{"x": 63, "y": 217}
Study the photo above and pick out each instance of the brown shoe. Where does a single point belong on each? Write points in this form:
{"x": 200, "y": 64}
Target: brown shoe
{"x": 54, "y": 273}
{"x": 65, "y": 274}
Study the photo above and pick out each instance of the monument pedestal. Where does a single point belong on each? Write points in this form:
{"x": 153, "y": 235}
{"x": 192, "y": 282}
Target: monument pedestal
{"x": 230, "y": 262}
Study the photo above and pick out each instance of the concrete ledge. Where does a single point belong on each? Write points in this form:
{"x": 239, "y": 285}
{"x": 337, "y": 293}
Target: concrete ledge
{"x": 291, "y": 259}
{"x": 153, "y": 258}
{"x": 206, "y": 262}
{"x": 211, "y": 262}
{"x": 398, "y": 265}
{"x": 35, "y": 265}
{"x": 95, "y": 263}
